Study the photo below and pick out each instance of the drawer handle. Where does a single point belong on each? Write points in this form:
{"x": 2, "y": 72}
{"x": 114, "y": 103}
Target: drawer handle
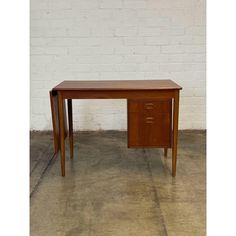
{"x": 149, "y": 106}
{"x": 149, "y": 120}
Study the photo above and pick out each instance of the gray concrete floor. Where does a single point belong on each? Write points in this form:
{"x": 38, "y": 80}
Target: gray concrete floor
{"x": 112, "y": 190}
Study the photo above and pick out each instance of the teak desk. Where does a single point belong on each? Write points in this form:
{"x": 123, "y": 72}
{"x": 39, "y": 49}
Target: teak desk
{"x": 153, "y": 110}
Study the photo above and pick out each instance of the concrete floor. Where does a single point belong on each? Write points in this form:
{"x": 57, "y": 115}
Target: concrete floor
{"x": 112, "y": 190}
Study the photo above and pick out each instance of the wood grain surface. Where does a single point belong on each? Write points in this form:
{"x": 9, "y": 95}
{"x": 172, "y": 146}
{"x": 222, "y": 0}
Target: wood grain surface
{"x": 117, "y": 85}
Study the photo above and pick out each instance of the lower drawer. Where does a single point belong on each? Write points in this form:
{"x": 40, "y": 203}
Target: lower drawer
{"x": 147, "y": 129}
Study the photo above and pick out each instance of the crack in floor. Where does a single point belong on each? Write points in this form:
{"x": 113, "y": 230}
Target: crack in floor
{"x": 153, "y": 189}
{"x": 50, "y": 162}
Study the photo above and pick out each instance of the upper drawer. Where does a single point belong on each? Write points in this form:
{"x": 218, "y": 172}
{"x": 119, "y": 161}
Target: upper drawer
{"x": 157, "y": 106}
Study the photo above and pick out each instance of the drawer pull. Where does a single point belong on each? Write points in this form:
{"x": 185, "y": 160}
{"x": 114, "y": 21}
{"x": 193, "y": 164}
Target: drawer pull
{"x": 149, "y": 105}
{"x": 149, "y": 120}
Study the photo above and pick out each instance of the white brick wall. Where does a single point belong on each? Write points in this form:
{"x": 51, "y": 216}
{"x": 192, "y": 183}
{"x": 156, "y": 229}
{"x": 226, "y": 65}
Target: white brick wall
{"x": 120, "y": 40}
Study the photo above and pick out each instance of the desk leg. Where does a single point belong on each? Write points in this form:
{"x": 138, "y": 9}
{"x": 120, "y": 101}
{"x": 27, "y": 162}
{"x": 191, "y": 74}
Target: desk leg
{"x": 62, "y": 132}
{"x": 55, "y": 125}
{"x": 175, "y": 132}
{"x": 165, "y": 152}
{"x": 69, "y": 103}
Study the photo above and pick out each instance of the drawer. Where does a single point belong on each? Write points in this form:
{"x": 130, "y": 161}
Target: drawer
{"x": 149, "y": 129}
{"x": 157, "y": 106}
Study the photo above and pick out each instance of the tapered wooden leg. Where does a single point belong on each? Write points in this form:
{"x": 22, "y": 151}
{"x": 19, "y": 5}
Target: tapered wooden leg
{"x": 70, "y": 118}
{"x": 55, "y": 125}
{"x": 175, "y": 132}
{"x": 165, "y": 152}
{"x": 62, "y": 132}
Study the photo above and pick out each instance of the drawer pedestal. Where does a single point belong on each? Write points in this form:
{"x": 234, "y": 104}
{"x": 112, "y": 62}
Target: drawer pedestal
{"x": 149, "y": 123}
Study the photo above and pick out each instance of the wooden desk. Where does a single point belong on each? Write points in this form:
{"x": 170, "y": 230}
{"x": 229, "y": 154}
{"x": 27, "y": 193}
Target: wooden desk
{"x": 153, "y": 110}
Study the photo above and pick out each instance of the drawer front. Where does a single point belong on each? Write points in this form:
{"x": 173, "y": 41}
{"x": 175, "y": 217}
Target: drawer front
{"x": 149, "y": 127}
{"x": 156, "y": 106}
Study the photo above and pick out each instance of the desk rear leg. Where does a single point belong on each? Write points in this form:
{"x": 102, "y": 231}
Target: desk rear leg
{"x": 175, "y": 133}
{"x": 62, "y": 132}
{"x": 165, "y": 152}
{"x": 70, "y": 119}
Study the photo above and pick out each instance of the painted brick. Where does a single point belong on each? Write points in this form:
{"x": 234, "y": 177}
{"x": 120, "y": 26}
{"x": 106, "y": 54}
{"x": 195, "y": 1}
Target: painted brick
{"x": 134, "y": 41}
{"x": 172, "y": 49}
{"x": 135, "y": 4}
{"x": 56, "y": 51}
{"x": 134, "y": 58}
{"x": 149, "y": 31}
{"x": 147, "y": 50}
{"x": 96, "y": 50}
{"x": 126, "y": 31}
{"x": 111, "y": 4}
{"x": 156, "y": 40}
{"x": 84, "y": 4}
{"x": 126, "y": 67}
